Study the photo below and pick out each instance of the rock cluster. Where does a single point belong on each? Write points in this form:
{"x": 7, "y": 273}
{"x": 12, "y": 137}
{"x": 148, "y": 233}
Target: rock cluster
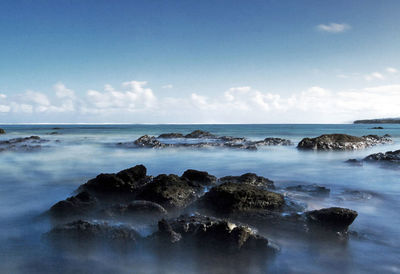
{"x": 204, "y": 139}
{"x": 342, "y": 142}
{"x": 25, "y": 144}
{"x": 131, "y": 196}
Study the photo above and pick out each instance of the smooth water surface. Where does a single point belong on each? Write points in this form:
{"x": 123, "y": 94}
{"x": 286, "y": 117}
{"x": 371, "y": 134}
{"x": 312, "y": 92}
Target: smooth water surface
{"x": 33, "y": 181}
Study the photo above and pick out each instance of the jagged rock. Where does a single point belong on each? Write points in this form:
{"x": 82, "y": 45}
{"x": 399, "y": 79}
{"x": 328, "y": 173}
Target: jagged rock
{"x": 341, "y": 142}
{"x": 2, "y": 131}
{"x": 171, "y": 135}
{"x": 230, "y": 197}
{"x": 127, "y": 181}
{"x": 311, "y": 189}
{"x": 333, "y": 218}
{"x": 169, "y": 191}
{"x": 210, "y": 234}
{"x": 200, "y": 134}
{"x": 199, "y": 178}
{"x": 148, "y": 141}
{"x": 79, "y": 205}
{"x": 389, "y": 157}
{"x": 377, "y": 128}
{"x": 275, "y": 142}
{"x": 232, "y": 139}
{"x": 31, "y": 143}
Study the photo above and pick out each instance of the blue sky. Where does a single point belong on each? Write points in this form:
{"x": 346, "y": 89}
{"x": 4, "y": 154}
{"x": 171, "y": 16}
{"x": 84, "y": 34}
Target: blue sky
{"x": 198, "y": 61}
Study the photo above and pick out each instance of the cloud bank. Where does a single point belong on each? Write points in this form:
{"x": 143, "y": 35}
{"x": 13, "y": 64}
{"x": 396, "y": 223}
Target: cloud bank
{"x": 333, "y": 27}
{"x": 136, "y": 102}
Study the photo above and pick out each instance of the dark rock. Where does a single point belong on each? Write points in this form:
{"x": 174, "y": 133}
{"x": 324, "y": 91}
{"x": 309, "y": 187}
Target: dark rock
{"x": 379, "y": 121}
{"x": 31, "y": 143}
{"x": 86, "y": 232}
{"x": 169, "y": 191}
{"x": 170, "y": 135}
{"x": 250, "y": 179}
{"x": 311, "y": 189}
{"x": 232, "y": 139}
{"x": 148, "y": 141}
{"x": 200, "y": 134}
{"x": 377, "y": 128}
{"x": 354, "y": 162}
{"x": 230, "y": 197}
{"x": 199, "y": 178}
{"x": 390, "y": 157}
{"x": 54, "y": 133}
{"x": 2, "y": 131}
{"x": 333, "y": 218}
{"x": 79, "y": 205}
{"x": 276, "y": 142}
{"x": 139, "y": 208}
{"x": 211, "y": 234}
{"x": 127, "y": 181}
{"x": 341, "y": 142}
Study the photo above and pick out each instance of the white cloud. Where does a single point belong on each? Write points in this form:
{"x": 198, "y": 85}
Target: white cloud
{"x": 374, "y": 76}
{"x": 168, "y": 86}
{"x": 63, "y": 92}
{"x": 333, "y": 27}
{"x": 392, "y": 70}
{"x": 3, "y": 96}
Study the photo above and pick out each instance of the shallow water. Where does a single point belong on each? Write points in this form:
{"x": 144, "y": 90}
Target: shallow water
{"x": 33, "y": 181}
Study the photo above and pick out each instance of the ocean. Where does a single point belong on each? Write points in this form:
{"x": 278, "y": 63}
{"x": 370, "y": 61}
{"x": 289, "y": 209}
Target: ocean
{"x": 31, "y": 182}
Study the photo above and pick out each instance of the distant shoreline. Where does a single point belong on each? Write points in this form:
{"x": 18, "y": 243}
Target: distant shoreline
{"x": 378, "y": 121}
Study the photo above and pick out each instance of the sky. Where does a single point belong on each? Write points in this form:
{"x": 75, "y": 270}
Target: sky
{"x": 86, "y": 61}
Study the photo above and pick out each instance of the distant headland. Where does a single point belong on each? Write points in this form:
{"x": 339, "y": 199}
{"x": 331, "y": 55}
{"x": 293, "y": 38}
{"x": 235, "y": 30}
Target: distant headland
{"x": 379, "y": 121}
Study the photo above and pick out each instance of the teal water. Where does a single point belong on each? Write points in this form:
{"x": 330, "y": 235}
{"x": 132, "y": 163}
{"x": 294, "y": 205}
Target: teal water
{"x": 32, "y": 182}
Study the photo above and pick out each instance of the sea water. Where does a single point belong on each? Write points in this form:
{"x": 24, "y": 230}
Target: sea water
{"x": 31, "y": 182}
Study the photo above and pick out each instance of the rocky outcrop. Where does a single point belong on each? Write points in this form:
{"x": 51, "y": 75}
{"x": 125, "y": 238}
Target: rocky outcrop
{"x": 333, "y": 218}
{"x": 388, "y": 157}
{"x": 229, "y": 198}
{"x": 125, "y": 182}
{"x": 138, "y": 209}
{"x": 199, "y": 178}
{"x": 205, "y": 139}
{"x": 80, "y": 205}
{"x": 25, "y": 144}
{"x": 2, "y": 131}
{"x": 249, "y": 179}
{"x": 341, "y": 142}
{"x": 210, "y": 234}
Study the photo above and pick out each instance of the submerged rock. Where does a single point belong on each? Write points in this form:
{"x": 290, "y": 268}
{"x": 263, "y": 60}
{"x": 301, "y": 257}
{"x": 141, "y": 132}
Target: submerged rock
{"x": 2, "y": 131}
{"x": 377, "y": 128}
{"x": 210, "y": 234}
{"x": 138, "y": 209}
{"x": 231, "y": 197}
{"x": 312, "y": 189}
{"x": 31, "y": 143}
{"x": 341, "y": 142}
{"x": 83, "y": 232}
{"x": 333, "y": 218}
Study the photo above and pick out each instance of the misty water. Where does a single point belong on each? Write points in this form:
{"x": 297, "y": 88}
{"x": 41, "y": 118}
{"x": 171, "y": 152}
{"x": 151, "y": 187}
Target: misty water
{"x": 31, "y": 182}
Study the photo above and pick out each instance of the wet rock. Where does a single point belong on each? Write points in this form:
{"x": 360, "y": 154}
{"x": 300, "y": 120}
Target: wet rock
{"x": 275, "y": 142}
{"x": 312, "y": 189}
{"x": 170, "y": 135}
{"x": 377, "y": 128}
{"x": 86, "y": 232}
{"x": 389, "y": 157}
{"x": 2, "y": 131}
{"x": 211, "y": 234}
{"x": 139, "y": 208}
{"x": 79, "y": 205}
{"x": 232, "y": 139}
{"x": 200, "y": 134}
{"x": 148, "y": 141}
{"x": 333, "y": 218}
{"x": 199, "y": 178}
{"x": 54, "y": 133}
{"x": 354, "y": 162}
{"x": 230, "y": 197}
{"x": 127, "y": 181}
{"x": 170, "y": 191}
{"x": 341, "y": 142}
{"x": 250, "y": 179}
{"x": 31, "y": 143}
